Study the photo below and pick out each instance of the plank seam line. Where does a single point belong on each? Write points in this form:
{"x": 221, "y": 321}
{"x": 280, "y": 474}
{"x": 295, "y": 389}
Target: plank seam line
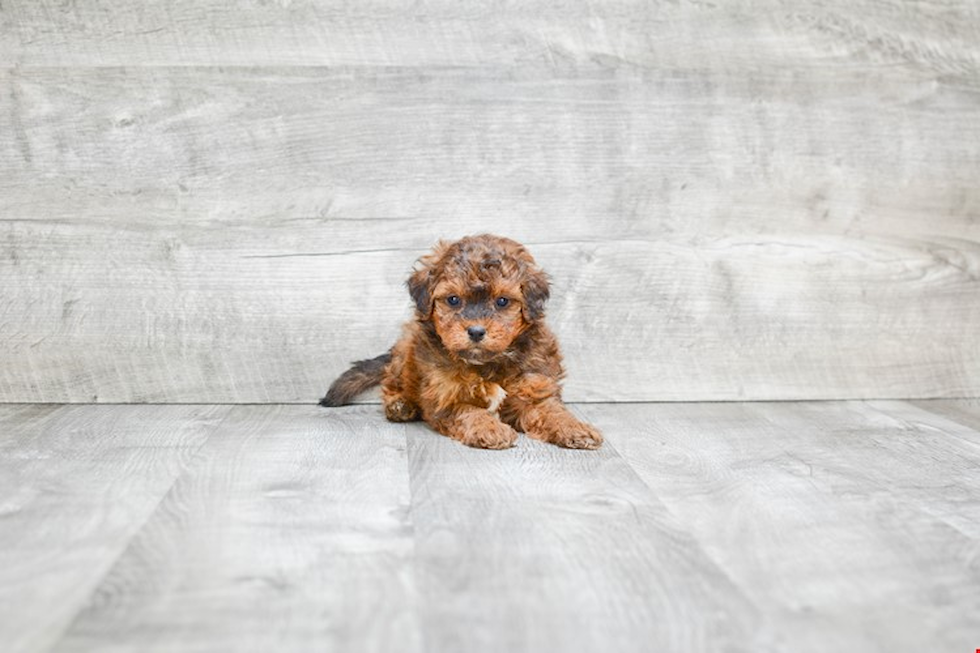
{"x": 949, "y": 426}
{"x": 415, "y": 564}
{"x": 588, "y": 402}
{"x": 680, "y": 528}
{"x": 136, "y": 531}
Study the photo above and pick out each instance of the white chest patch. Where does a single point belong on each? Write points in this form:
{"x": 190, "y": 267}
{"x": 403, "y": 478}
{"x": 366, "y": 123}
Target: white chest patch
{"x": 495, "y": 397}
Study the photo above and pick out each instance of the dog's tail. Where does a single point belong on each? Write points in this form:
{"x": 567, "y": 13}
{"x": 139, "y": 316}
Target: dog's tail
{"x": 363, "y": 375}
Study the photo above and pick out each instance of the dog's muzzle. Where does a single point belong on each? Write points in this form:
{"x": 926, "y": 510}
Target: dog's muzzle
{"x": 476, "y": 333}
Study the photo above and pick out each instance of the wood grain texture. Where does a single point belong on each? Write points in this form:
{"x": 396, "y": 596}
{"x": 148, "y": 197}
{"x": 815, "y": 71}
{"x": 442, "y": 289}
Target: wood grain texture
{"x": 202, "y": 314}
{"x": 964, "y": 411}
{"x": 831, "y": 149}
{"x": 940, "y": 35}
{"x": 289, "y": 533}
{"x": 812, "y": 527}
{"x": 851, "y": 526}
{"x": 220, "y": 201}
{"x": 76, "y": 484}
{"x": 538, "y": 548}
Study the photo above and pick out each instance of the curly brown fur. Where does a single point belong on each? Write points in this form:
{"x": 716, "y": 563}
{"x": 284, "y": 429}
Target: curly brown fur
{"x": 477, "y": 363}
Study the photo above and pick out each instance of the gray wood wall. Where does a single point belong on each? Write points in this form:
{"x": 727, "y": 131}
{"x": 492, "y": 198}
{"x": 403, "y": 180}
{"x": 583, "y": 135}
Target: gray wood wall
{"x": 206, "y": 201}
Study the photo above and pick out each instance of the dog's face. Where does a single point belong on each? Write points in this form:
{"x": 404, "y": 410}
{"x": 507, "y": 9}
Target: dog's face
{"x": 480, "y": 293}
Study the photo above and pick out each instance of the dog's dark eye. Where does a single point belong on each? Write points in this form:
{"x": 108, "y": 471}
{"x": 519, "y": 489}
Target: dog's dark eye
{"x": 502, "y": 302}
{"x": 453, "y": 300}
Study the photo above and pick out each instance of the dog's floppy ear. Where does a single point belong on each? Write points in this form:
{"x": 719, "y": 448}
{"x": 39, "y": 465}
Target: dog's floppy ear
{"x": 536, "y": 293}
{"x": 418, "y": 288}
{"x": 423, "y": 280}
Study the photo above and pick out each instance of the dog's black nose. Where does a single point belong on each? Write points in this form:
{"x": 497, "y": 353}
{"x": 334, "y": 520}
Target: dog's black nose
{"x": 476, "y": 333}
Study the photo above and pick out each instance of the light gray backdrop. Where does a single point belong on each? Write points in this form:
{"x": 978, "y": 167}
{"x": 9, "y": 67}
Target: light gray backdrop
{"x": 206, "y": 201}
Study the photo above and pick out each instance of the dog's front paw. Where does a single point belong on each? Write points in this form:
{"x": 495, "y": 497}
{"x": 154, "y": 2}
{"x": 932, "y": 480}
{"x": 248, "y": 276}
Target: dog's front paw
{"x": 583, "y": 436}
{"x": 487, "y": 432}
{"x": 575, "y": 435}
{"x": 500, "y": 436}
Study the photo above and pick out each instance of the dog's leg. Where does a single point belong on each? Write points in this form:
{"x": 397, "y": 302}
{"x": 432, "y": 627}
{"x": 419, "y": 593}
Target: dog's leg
{"x": 535, "y": 407}
{"x": 399, "y": 409}
{"x": 551, "y": 421}
{"x": 396, "y": 385}
{"x": 475, "y": 427}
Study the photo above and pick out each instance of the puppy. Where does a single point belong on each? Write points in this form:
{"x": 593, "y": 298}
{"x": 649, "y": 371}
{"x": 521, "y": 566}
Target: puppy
{"x": 477, "y": 363}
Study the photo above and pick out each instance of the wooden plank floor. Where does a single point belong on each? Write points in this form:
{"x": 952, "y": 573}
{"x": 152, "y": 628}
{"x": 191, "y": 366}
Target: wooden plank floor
{"x": 805, "y": 527}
